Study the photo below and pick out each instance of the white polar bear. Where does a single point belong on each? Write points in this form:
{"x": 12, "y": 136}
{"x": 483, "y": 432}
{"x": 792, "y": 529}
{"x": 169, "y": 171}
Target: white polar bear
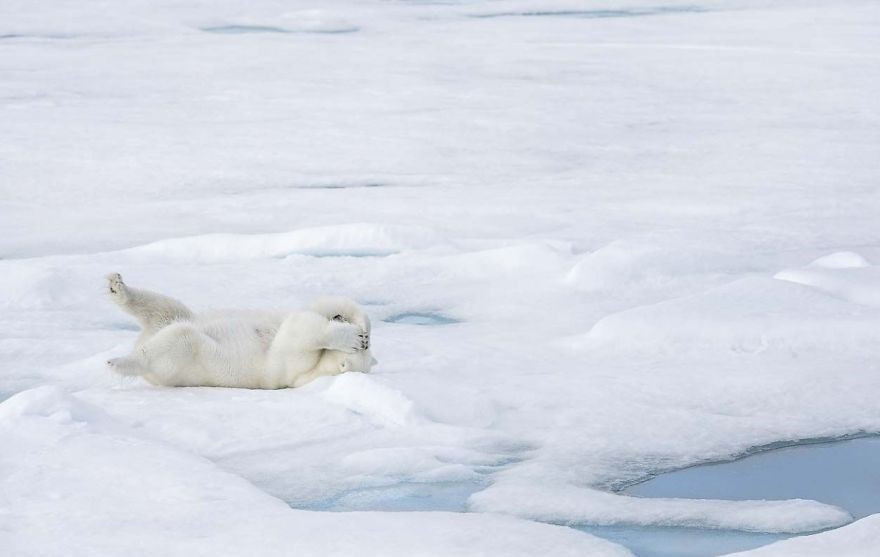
{"x": 254, "y": 350}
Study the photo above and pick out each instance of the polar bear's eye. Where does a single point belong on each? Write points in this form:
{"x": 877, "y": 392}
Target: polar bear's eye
{"x": 338, "y": 318}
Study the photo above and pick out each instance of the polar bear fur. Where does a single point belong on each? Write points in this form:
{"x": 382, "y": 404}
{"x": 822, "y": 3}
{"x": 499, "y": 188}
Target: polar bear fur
{"x": 248, "y": 349}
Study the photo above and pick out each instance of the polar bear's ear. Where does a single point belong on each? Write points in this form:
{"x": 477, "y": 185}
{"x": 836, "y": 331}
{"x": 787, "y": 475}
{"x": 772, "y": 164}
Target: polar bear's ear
{"x": 373, "y": 361}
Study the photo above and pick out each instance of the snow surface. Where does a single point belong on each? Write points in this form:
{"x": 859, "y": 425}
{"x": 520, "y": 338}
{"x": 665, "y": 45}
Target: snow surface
{"x": 567, "y": 504}
{"x": 650, "y": 228}
{"x": 858, "y": 539}
{"x": 143, "y": 498}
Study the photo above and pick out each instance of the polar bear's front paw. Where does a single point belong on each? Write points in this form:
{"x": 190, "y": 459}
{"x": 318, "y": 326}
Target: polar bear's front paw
{"x": 346, "y": 337}
{"x": 118, "y": 290}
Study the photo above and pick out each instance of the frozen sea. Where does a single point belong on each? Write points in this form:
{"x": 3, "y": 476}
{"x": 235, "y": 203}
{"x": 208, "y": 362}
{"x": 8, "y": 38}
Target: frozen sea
{"x": 598, "y": 240}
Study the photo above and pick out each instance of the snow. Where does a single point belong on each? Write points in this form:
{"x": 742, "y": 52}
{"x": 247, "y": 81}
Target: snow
{"x": 567, "y": 504}
{"x": 92, "y": 487}
{"x": 844, "y": 275}
{"x": 750, "y": 315}
{"x": 596, "y": 243}
{"x": 855, "y": 540}
{"x": 352, "y": 239}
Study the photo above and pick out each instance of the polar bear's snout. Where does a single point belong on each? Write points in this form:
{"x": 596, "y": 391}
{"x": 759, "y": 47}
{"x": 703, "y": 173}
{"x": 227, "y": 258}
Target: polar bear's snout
{"x": 361, "y": 361}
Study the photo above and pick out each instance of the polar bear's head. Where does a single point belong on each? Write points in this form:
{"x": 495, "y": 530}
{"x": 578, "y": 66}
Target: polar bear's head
{"x": 343, "y": 309}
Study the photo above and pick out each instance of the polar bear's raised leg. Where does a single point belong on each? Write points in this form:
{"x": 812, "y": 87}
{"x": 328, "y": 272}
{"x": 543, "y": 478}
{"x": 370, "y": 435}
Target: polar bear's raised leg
{"x": 153, "y": 311}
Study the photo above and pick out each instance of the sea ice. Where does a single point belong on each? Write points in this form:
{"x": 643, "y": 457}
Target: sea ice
{"x": 657, "y": 231}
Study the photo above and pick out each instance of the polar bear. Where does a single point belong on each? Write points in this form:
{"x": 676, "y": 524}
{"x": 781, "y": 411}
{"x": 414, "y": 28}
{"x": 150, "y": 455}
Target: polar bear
{"x": 248, "y": 349}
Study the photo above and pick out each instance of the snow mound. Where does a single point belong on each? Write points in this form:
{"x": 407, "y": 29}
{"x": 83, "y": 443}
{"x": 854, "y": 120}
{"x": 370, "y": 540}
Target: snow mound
{"x": 317, "y": 21}
{"x": 568, "y": 504}
{"x": 361, "y": 239}
{"x": 364, "y": 395}
{"x": 523, "y": 258}
{"x": 623, "y": 263}
{"x": 751, "y": 315}
{"x": 403, "y": 462}
{"x": 70, "y": 488}
{"x": 859, "y": 539}
{"x": 841, "y": 260}
{"x": 38, "y": 287}
{"x": 845, "y": 275}
{"x": 48, "y": 402}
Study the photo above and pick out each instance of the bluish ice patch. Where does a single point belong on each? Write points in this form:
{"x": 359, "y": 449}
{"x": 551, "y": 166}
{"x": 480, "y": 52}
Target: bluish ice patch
{"x": 237, "y": 29}
{"x": 438, "y": 2}
{"x": 418, "y": 318}
{"x": 845, "y": 473}
{"x": 7, "y": 394}
{"x": 596, "y": 14}
{"x": 348, "y": 253}
{"x": 842, "y": 473}
{"x": 680, "y": 542}
{"x": 376, "y": 253}
{"x": 241, "y": 29}
{"x": 343, "y": 186}
{"x": 319, "y": 186}
{"x": 11, "y": 36}
{"x": 405, "y": 497}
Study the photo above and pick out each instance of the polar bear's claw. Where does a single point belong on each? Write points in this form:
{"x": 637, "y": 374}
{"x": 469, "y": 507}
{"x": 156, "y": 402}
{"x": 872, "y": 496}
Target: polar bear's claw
{"x": 344, "y": 337}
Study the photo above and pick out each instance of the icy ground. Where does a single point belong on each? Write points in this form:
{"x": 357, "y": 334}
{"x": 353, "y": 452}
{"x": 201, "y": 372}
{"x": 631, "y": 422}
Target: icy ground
{"x": 598, "y": 240}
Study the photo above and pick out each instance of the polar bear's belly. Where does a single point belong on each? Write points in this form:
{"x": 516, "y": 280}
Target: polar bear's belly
{"x": 238, "y": 358}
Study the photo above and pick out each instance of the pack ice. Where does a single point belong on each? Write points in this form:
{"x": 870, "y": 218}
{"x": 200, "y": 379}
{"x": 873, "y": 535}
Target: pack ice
{"x": 597, "y": 242}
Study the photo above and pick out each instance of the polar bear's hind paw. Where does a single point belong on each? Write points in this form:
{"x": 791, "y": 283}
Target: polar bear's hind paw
{"x": 126, "y": 366}
{"x": 117, "y": 288}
